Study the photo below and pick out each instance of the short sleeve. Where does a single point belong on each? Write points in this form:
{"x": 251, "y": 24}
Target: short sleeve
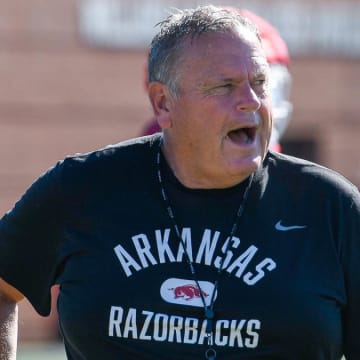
{"x": 30, "y": 240}
{"x": 350, "y": 232}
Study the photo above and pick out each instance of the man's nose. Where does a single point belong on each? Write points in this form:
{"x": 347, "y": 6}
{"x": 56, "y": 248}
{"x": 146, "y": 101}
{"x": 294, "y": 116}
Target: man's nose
{"x": 248, "y": 100}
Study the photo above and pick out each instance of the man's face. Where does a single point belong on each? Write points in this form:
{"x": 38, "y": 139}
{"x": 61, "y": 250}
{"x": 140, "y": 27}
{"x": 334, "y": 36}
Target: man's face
{"x": 220, "y": 122}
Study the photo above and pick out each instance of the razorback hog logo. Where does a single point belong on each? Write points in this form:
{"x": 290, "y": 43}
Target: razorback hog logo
{"x": 187, "y": 292}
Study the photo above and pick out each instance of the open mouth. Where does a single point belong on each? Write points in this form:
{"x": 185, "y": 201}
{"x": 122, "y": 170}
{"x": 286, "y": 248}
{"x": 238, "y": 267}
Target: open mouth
{"x": 243, "y": 136}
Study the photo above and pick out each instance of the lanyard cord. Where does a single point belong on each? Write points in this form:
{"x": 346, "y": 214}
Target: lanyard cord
{"x": 208, "y": 309}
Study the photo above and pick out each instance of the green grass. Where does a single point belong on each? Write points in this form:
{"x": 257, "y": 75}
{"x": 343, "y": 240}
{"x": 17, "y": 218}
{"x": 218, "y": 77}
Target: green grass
{"x": 41, "y": 351}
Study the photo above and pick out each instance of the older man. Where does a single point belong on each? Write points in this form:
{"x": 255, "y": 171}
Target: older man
{"x": 197, "y": 242}
{"x": 277, "y": 55}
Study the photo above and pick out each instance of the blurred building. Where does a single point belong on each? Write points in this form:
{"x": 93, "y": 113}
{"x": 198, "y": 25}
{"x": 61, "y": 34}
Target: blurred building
{"x": 72, "y": 75}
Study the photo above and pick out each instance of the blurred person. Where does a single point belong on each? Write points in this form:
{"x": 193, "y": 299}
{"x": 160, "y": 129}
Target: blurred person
{"x": 277, "y": 55}
{"x": 196, "y": 242}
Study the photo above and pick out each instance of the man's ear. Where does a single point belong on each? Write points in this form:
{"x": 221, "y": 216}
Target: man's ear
{"x": 160, "y": 99}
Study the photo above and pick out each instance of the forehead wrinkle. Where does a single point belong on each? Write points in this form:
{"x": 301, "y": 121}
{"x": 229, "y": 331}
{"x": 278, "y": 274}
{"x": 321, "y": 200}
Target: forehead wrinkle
{"x": 232, "y": 67}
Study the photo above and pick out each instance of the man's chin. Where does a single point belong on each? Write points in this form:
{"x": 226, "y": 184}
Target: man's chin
{"x": 244, "y": 167}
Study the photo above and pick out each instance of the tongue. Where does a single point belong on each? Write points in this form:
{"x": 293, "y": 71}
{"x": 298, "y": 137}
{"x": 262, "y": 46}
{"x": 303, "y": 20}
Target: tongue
{"x": 239, "y": 136}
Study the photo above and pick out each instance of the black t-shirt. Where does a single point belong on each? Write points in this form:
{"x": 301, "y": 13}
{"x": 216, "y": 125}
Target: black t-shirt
{"x": 97, "y": 225}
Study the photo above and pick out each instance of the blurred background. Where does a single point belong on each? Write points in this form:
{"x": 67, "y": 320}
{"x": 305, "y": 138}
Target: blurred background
{"x": 72, "y": 80}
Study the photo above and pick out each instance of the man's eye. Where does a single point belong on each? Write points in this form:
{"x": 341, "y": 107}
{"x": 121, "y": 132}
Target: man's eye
{"x": 221, "y": 89}
{"x": 228, "y": 86}
{"x": 260, "y": 82}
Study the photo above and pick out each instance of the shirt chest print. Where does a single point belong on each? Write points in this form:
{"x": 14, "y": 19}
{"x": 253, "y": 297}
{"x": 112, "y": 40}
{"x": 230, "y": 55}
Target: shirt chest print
{"x": 154, "y": 249}
{"x": 146, "y": 250}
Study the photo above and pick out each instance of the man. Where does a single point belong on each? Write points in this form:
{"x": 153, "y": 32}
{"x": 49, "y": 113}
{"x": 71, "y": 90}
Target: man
{"x": 197, "y": 243}
{"x": 277, "y": 56}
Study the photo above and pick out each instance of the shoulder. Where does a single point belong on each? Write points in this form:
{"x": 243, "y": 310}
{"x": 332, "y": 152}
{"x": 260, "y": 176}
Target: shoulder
{"x": 82, "y": 174}
{"x": 128, "y": 156}
{"x": 124, "y": 152}
{"x": 309, "y": 176}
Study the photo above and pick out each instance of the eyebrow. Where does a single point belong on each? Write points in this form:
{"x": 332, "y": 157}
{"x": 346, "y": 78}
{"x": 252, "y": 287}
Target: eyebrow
{"x": 261, "y": 73}
{"x": 261, "y": 70}
{"x": 209, "y": 83}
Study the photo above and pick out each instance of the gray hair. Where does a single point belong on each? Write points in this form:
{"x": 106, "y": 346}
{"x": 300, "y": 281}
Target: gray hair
{"x": 165, "y": 49}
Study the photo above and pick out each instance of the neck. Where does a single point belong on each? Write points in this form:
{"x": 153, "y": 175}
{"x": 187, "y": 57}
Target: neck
{"x": 191, "y": 176}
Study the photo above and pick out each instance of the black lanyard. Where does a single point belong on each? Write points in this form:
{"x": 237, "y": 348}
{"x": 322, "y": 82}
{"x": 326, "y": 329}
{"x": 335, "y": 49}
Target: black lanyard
{"x": 209, "y": 313}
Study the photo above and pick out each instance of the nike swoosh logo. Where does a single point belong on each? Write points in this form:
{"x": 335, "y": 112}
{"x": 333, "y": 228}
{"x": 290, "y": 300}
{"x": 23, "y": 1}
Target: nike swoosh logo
{"x": 280, "y": 227}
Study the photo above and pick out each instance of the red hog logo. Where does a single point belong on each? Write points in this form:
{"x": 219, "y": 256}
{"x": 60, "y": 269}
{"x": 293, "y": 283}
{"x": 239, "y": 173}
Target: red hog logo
{"x": 187, "y": 292}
